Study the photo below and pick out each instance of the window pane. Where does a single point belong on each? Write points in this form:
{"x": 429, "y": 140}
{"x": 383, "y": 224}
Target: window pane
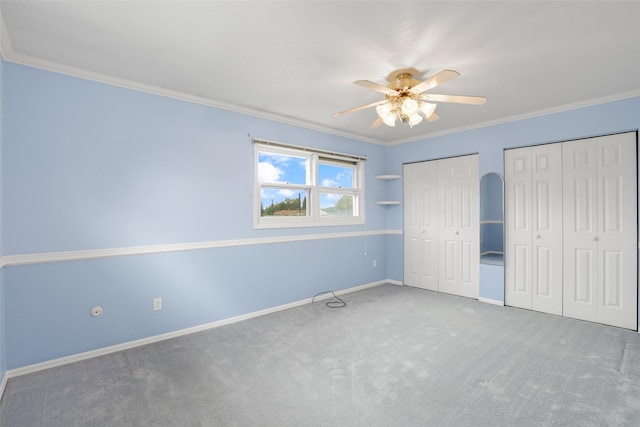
{"x": 332, "y": 204}
{"x": 283, "y": 202}
{"x": 335, "y": 176}
{"x": 282, "y": 168}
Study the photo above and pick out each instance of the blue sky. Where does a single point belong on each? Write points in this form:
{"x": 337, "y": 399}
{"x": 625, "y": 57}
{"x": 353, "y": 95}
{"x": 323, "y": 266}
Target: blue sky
{"x": 291, "y": 169}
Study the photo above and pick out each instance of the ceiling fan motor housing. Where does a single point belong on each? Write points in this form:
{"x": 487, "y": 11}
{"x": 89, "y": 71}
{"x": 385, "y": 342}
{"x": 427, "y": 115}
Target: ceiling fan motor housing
{"x": 402, "y": 79}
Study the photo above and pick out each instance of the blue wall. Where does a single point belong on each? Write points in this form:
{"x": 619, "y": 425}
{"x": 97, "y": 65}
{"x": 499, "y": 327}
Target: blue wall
{"x": 89, "y": 166}
{"x": 3, "y": 347}
{"x": 490, "y": 142}
{"x": 92, "y": 166}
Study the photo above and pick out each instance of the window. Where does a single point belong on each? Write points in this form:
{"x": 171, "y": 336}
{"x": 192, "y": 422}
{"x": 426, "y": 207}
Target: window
{"x": 299, "y": 187}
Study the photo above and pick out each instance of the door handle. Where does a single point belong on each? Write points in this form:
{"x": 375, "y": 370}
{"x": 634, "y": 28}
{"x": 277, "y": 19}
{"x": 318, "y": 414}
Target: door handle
{"x": 456, "y": 232}
{"x": 538, "y": 236}
{"x": 594, "y": 239}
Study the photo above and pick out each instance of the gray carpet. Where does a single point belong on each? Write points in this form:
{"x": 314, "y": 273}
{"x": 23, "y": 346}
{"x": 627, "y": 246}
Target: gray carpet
{"x": 395, "y": 356}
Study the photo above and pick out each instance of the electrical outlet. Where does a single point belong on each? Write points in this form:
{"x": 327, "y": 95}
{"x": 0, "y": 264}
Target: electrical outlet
{"x": 96, "y": 311}
{"x": 157, "y": 304}
{"x": 375, "y": 263}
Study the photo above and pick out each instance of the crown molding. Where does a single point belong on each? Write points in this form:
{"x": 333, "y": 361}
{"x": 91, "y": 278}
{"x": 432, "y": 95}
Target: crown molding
{"x": 9, "y": 55}
{"x": 544, "y": 112}
{"x": 5, "y": 42}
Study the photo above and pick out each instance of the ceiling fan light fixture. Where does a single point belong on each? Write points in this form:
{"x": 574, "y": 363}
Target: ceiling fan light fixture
{"x": 387, "y": 112}
{"x": 427, "y": 109}
{"x": 414, "y": 119}
{"x": 384, "y": 109}
{"x": 389, "y": 119}
{"x": 406, "y": 98}
{"x": 409, "y": 106}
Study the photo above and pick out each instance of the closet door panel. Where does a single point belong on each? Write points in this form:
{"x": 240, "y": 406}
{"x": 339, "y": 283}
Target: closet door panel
{"x": 546, "y": 220}
{"x": 421, "y": 225}
{"x": 580, "y": 229}
{"x": 469, "y": 226}
{"x": 459, "y": 227}
{"x": 450, "y": 254}
{"x": 518, "y": 228}
{"x": 430, "y": 228}
{"x": 412, "y": 229}
{"x": 601, "y": 230}
{"x": 617, "y": 231}
{"x": 442, "y": 232}
{"x": 429, "y": 279}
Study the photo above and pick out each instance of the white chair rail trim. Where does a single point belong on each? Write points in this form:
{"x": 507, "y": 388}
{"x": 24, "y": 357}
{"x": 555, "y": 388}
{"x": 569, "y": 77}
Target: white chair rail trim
{"x": 47, "y": 257}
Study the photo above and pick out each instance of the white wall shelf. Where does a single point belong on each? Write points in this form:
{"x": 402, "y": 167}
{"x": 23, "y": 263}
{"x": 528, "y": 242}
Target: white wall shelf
{"x": 388, "y": 177}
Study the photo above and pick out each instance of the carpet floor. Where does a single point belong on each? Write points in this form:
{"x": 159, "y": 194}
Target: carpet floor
{"x": 394, "y": 356}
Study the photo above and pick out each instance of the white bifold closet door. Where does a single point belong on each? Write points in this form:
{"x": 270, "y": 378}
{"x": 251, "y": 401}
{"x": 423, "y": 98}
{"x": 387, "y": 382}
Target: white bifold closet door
{"x": 441, "y": 225}
{"x": 533, "y": 268}
{"x": 421, "y": 225}
{"x": 459, "y": 231}
{"x": 600, "y": 230}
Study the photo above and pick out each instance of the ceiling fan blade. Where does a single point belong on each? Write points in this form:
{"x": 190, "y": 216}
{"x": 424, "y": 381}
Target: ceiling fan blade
{"x": 458, "y": 99}
{"x": 375, "y": 86}
{"x": 435, "y": 80}
{"x": 433, "y": 117}
{"x": 362, "y": 107}
{"x": 376, "y": 123}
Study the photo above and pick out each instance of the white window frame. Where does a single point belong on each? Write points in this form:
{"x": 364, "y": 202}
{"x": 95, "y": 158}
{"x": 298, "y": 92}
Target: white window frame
{"x": 314, "y": 158}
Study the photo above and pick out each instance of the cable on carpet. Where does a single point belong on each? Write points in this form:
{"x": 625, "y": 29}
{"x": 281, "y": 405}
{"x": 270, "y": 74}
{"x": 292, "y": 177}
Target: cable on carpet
{"x": 331, "y": 304}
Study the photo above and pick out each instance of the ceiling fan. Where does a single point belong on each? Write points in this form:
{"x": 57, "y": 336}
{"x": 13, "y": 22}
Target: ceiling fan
{"x": 406, "y": 99}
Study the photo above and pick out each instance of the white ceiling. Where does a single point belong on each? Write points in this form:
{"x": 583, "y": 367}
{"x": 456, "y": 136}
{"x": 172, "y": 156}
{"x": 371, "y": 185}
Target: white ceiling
{"x": 295, "y": 61}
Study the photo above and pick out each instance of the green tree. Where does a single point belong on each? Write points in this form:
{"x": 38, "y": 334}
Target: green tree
{"x": 345, "y": 204}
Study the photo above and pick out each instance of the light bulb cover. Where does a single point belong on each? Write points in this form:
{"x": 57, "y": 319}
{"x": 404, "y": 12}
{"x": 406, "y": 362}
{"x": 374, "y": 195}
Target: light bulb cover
{"x": 389, "y": 120}
{"x": 409, "y": 106}
{"x": 427, "y": 109}
{"x": 414, "y": 119}
{"x": 383, "y": 110}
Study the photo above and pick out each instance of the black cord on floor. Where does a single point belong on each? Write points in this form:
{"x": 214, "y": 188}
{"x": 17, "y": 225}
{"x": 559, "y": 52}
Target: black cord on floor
{"x": 331, "y": 304}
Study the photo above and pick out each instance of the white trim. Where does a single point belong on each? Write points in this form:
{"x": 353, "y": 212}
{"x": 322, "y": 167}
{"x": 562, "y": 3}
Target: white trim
{"x": 3, "y": 384}
{"x": 18, "y": 58}
{"x": 531, "y": 115}
{"x": 342, "y": 156}
{"x": 5, "y": 41}
{"x": 41, "y": 258}
{"x": 312, "y": 187}
{"x": 491, "y": 301}
{"x": 12, "y": 373}
{"x": 8, "y": 54}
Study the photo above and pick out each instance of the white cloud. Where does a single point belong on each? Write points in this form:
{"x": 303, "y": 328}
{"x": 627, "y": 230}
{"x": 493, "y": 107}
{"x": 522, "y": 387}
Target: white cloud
{"x": 268, "y": 172}
{"x": 329, "y": 183}
{"x": 286, "y": 193}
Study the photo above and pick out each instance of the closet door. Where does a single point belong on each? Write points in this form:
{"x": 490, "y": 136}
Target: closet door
{"x": 421, "y": 225}
{"x": 546, "y": 219}
{"x": 459, "y": 226}
{"x": 517, "y": 170}
{"x": 534, "y": 228}
{"x": 600, "y": 230}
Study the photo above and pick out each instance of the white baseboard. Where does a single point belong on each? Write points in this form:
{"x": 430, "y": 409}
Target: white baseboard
{"x": 3, "y": 384}
{"x": 491, "y": 301}
{"x": 12, "y": 373}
